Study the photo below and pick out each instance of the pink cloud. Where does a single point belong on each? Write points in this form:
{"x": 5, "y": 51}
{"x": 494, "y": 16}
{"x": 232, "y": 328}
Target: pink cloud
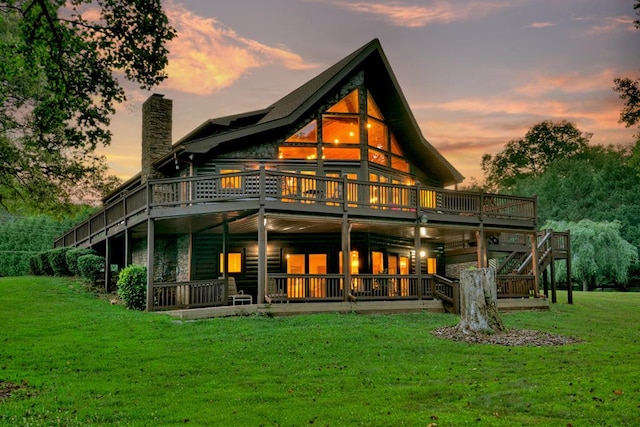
{"x": 541, "y": 25}
{"x": 207, "y": 56}
{"x": 412, "y": 16}
{"x": 612, "y": 24}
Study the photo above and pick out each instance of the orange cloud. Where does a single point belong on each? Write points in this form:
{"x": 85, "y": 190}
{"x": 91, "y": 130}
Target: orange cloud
{"x": 412, "y": 16}
{"x": 207, "y": 56}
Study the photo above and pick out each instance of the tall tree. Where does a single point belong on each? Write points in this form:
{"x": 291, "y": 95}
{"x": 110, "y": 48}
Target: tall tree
{"x": 544, "y": 143}
{"x": 60, "y": 64}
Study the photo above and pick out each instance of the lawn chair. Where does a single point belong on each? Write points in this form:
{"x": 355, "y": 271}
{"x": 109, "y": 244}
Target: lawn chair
{"x": 234, "y": 296}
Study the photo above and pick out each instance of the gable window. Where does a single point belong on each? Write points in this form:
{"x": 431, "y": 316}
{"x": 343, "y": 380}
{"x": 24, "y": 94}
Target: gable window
{"x": 309, "y": 133}
{"x": 337, "y": 136}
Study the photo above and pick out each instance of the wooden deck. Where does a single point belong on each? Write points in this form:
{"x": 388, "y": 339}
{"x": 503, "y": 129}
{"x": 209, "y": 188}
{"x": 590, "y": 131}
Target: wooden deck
{"x": 298, "y": 193}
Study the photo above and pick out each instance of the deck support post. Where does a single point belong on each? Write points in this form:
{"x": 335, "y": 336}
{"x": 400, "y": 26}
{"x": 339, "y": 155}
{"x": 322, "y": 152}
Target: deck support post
{"x": 533, "y": 237}
{"x": 150, "y": 261}
{"x": 552, "y": 267}
{"x": 346, "y": 256}
{"x": 417, "y": 243}
{"x": 262, "y": 255}
{"x": 568, "y": 260}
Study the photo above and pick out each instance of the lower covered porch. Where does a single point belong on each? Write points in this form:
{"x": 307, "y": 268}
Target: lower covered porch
{"x": 288, "y": 263}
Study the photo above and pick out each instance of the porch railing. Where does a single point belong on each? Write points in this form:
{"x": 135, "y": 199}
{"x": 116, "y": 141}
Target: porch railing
{"x": 175, "y": 295}
{"x": 307, "y": 287}
{"x": 269, "y": 185}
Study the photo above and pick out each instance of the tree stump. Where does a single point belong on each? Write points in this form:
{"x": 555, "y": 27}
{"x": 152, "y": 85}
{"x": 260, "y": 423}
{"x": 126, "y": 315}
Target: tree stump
{"x": 479, "y": 303}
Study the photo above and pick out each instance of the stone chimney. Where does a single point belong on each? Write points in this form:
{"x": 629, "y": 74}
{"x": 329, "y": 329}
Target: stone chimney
{"x": 156, "y": 134}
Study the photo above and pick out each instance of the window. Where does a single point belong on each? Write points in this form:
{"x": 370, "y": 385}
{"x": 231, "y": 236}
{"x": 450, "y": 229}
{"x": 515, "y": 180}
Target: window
{"x": 372, "y": 108}
{"x": 231, "y": 182}
{"x": 377, "y": 262}
{"x": 432, "y": 266}
{"x": 348, "y": 104}
{"x": 309, "y": 133}
{"x": 341, "y": 129}
{"x": 377, "y": 135}
{"x": 235, "y": 262}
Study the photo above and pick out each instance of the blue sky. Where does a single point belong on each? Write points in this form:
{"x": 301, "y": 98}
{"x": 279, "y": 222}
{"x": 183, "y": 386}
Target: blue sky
{"x": 476, "y": 73}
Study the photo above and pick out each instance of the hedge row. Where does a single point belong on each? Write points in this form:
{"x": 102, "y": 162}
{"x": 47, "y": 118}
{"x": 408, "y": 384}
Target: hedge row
{"x": 85, "y": 263}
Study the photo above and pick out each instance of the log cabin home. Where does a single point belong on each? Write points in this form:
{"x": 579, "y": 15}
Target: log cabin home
{"x": 331, "y": 198}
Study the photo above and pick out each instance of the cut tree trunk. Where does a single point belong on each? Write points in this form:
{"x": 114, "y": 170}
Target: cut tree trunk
{"x": 479, "y": 302}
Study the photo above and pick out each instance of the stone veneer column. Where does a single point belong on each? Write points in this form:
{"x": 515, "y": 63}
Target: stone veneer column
{"x": 156, "y": 134}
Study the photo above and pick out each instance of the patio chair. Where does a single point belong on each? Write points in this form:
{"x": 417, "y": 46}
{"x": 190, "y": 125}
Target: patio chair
{"x": 275, "y": 293}
{"x": 235, "y": 296}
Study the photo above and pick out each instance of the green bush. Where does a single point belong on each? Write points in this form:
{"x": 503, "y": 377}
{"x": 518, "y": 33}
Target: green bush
{"x": 91, "y": 268}
{"x": 45, "y": 265}
{"x": 35, "y": 266}
{"x": 72, "y": 258}
{"x": 132, "y": 286}
{"x": 58, "y": 261}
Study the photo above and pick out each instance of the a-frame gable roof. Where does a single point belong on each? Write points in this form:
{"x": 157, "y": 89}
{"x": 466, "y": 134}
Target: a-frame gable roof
{"x": 292, "y": 107}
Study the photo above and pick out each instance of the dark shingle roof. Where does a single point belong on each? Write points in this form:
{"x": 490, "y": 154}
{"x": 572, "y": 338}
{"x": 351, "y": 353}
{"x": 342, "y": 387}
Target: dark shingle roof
{"x": 289, "y": 109}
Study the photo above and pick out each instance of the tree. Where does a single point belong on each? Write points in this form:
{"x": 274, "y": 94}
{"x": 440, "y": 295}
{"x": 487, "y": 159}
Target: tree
{"x": 599, "y": 255}
{"x": 629, "y": 90}
{"x": 601, "y": 184}
{"x": 60, "y": 64}
{"x": 544, "y": 143}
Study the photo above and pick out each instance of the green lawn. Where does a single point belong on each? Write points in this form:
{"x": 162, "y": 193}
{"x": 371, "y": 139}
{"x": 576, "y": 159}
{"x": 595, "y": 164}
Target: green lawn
{"x": 81, "y": 361}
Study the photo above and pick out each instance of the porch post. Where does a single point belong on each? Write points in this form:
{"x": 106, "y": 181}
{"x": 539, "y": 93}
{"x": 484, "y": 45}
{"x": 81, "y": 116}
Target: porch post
{"x": 150, "y": 261}
{"x": 346, "y": 256}
{"x": 417, "y": 243}
{"x": 225, "y": 260}
{"x": 481, "y": 248}
{"x": 127, "y": 247}
{"x": 534, "y": 263}
{"x": 107, "y": 263}
{"x": 262, "y": 255}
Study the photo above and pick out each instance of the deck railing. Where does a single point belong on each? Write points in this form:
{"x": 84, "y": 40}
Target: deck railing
{"x": 267, "y": 185}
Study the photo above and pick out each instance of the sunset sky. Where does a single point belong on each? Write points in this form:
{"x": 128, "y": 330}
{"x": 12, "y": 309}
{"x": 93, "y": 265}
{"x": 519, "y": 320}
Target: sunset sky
{"x": 475, "y": 73}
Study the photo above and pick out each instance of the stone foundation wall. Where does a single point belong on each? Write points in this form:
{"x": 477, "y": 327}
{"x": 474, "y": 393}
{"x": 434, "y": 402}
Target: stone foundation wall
{"x": 171, "y": 260}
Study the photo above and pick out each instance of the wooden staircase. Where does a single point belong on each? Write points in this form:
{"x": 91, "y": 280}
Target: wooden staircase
{"x": 515, "y": 275}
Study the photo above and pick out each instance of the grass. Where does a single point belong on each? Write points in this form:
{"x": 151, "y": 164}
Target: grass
{"x": 80, "y": 361}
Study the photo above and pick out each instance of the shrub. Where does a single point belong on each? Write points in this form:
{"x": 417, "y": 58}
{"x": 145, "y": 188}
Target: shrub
{"x": 43, "y": 262}
{"x": 91, "y": 268}
{"x": 58, "y": 261}
{"x": 35, "y": 265}
{"x": 132, "y": 286}
{"x": 72, "y": 258}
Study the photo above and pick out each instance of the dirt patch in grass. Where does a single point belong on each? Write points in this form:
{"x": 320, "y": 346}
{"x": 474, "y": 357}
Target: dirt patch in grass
{"x": 7, "y": 389}
{"x": 512, "y": 338}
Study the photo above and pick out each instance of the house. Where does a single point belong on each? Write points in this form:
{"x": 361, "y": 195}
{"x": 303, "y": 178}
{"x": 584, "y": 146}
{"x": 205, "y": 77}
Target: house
{"x": 330, "y": 195}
